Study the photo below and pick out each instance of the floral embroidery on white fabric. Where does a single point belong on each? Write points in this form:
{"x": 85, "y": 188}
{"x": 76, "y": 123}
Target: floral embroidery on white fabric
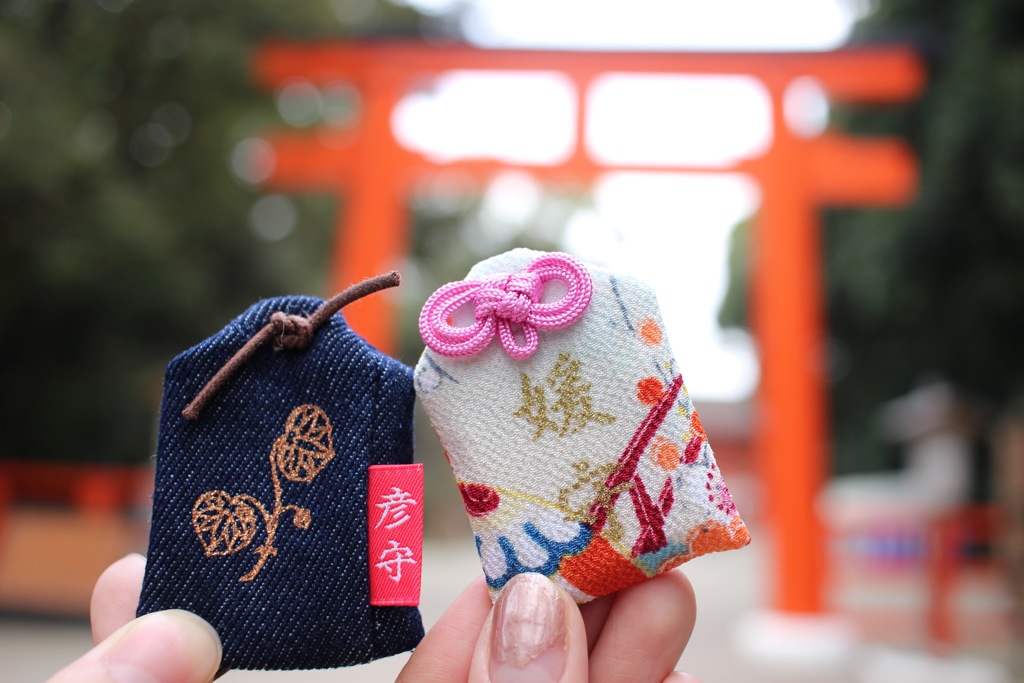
{"x": 520, "y": 534}
{"x": 603, "y": 476}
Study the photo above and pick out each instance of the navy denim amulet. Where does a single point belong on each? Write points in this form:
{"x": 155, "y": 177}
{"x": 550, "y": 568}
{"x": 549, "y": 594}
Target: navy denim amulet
{"x": 261, "y": 522}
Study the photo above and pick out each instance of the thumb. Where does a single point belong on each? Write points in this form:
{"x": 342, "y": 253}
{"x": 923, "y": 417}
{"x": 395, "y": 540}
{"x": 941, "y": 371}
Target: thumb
{"x": 534, "y": 634}
{"x": 162, "y": 647}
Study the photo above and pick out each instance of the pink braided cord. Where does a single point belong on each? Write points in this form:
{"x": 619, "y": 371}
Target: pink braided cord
{"x": 501, "y": 301}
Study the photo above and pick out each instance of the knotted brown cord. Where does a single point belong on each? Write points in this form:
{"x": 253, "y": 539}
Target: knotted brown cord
{"x": 293, "y": 332}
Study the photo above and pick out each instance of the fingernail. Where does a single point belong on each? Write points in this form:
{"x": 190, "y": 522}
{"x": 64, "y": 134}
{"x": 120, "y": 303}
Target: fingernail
{"x": 162, "y": 647}
{"x": 528, "y": 632}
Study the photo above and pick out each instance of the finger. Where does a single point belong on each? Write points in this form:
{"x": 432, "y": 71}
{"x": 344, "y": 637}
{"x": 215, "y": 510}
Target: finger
{"x": 162, "y": 647}
{"x": 595, "y": 613}
{"x": 534, "y": 634}
{"x": 445, "y": 652}
{"x": 680, "y": 677}
{"x": 655, "y": 618}
{"x": 116, "y": 596}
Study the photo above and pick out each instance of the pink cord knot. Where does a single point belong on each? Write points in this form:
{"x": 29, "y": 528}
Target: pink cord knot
{"x": 511, "y": 300}
{"x": 505, "y": 300}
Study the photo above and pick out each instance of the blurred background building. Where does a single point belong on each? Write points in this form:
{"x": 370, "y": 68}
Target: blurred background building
{"x": 143, "y": 207}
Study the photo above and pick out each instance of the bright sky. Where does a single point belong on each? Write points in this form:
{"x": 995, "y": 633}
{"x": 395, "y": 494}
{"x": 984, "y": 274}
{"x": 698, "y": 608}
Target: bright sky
{"x": 672, "y": 229}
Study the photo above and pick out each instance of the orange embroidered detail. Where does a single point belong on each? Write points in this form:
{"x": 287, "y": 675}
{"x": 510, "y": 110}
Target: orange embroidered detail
{"x": 696, "y": 426}
{"x": 739, "y": 532}
{"x": 226, "y": 524}
{"x": 574, "y": 402}
{"x": 649, "y": 390}
{"x": 600, "y": 569}
{"x": 650, "y": 332}
{"x": 715, "y": 537}
{"x": 666, "y": 453}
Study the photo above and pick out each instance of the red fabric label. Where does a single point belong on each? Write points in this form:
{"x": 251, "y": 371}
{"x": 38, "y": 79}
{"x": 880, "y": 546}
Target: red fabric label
{"x": 394, "y": 509}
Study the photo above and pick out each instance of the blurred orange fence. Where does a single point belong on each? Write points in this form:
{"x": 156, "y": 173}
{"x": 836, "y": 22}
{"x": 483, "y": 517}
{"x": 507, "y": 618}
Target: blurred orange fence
{"x": 61, "y": 524}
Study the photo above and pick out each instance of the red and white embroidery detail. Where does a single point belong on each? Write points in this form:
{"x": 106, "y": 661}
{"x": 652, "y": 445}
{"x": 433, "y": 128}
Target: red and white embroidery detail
{"x": 393, "y": 508}
{"x": 395, "y": 533}
{"x": 392, "y": 558}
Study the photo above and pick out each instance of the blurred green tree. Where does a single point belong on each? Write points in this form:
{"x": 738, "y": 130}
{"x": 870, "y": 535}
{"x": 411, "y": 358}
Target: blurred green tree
{"x": 936, "y": 289}
{"x": 128, "y": 236}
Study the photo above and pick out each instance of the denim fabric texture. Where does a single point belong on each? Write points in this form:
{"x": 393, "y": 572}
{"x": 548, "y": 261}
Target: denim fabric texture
{"x": 308, "y": 607}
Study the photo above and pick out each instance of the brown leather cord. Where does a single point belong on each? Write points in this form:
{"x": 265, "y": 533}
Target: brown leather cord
{"x": 293, "y": 332}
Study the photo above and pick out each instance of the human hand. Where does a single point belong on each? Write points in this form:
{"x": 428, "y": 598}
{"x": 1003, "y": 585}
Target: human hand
{"x": 163, "y": 647}
{"x": 534, "y": 633}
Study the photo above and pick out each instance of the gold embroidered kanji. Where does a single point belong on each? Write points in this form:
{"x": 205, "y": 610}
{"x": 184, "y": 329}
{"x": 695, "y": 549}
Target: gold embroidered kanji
{"x": 573, "y": 401}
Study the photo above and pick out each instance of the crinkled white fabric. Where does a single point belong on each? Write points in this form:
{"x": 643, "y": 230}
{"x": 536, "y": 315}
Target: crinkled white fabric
{"x": 623, "y": 359}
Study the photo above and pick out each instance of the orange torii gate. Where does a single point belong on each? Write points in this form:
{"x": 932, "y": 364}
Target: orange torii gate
{"x": 797, "y": 177}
